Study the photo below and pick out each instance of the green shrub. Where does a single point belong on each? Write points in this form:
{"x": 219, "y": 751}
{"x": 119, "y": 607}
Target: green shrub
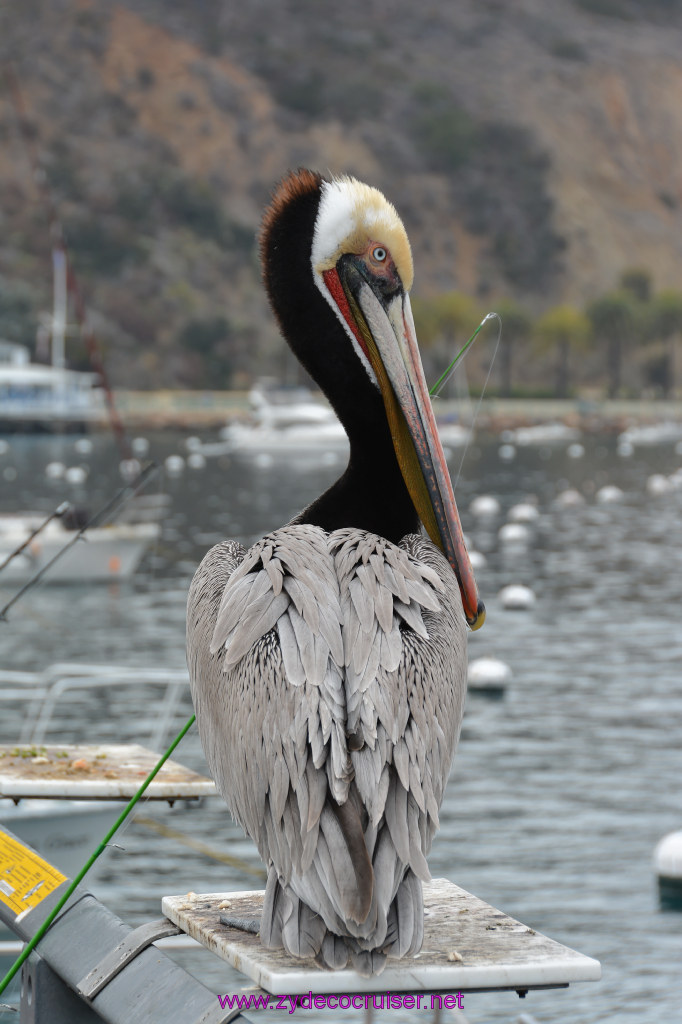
{"x": 443, "y": 131}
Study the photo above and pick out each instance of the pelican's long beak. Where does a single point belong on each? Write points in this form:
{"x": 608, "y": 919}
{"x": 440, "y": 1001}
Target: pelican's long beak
{"x": 387, "y": 329}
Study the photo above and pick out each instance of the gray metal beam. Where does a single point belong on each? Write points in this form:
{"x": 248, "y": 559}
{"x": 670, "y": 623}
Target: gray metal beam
{"x": 150, "y": 989}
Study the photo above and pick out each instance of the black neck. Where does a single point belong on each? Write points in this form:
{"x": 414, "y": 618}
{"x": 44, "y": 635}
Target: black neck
{"x": 371, "y": 495}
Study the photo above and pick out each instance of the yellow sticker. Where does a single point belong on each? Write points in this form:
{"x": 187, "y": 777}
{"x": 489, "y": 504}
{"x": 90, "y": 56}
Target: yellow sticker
{"x": 25, "y": 878}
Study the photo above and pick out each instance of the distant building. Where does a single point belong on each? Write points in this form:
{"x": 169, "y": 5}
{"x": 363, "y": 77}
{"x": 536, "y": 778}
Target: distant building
{"x": 13, "y": 355}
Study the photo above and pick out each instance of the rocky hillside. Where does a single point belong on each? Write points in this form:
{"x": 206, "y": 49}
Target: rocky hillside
{"x": 533, "y": 149}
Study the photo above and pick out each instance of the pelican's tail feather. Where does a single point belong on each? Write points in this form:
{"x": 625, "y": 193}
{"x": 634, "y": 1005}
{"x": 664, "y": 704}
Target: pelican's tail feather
{"x": 405, "y": 931}
{"x": 290, "y": 923}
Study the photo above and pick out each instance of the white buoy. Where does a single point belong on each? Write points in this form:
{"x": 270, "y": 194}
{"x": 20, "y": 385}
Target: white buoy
{"x": 575, "y": 451}
{"x": 514, "y": 533}
{"x": 658, "y": 484}
{"x": 524, "y": 512}
{"x": 4, "y": 447}
{"x": 609, "y": 494}
{"x": 140, "y": 446}
{"x": 570, "y": 498}
{"x": 667, "y": 861}
{"x": 516, "y": 597}
{"x": 129, "y": 469}
{"x": 193, "y": 444}
{"x": 263, "y": 460}
{"x": 488, "y": 671}
{"x": 477, "y": 559}
{"x": 174, "y": 464}
{"x": 507, "y": 452}
{"x": 76, "y": 475}
{"x": 485, "y": 505}
{"x": 83, "y": 445}
{"x": 625, "y": 449}
{"x": 195, "y": 460}
{"x": 55, "y": 470}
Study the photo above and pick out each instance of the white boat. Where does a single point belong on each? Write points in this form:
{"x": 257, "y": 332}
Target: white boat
{"x": 47, "y": 397}
{"x": 105, "y": 553}
{"x": 542, "y": 434}
{"x": 283, "y": 421}
{"x": 292, "y": 421}
{"x": 454, "y": 435}
{"x": 665, "y": 432}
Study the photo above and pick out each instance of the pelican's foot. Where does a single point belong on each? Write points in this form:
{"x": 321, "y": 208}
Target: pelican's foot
{"x": 245, "y": 924}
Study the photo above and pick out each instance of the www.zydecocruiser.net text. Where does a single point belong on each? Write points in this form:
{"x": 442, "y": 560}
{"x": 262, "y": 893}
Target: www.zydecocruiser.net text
{"x": 376, "y": 1001}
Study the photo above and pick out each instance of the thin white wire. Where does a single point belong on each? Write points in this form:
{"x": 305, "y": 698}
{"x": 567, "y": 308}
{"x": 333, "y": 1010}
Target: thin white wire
{"x": 489, "y": 316}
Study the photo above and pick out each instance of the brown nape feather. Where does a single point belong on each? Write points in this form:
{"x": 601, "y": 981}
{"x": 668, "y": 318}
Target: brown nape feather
{"x": 294, "y": 185}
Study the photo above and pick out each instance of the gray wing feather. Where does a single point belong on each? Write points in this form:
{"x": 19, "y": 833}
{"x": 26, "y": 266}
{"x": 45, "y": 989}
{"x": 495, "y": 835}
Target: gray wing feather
{"x": 294, "y": 645}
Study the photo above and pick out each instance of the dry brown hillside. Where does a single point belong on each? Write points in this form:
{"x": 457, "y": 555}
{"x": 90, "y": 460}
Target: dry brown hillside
{"x": 534, "y": 150}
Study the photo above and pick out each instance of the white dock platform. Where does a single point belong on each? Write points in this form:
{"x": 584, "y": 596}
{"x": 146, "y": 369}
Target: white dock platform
{"x": 94, "y": 772}
{"x": 468, "y": 946}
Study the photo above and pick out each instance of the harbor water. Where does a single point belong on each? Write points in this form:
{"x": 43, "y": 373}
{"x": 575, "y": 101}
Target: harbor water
{"x": 559, "y": 791}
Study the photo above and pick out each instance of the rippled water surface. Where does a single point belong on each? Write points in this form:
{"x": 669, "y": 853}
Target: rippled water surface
{"x": 560, "y": 791}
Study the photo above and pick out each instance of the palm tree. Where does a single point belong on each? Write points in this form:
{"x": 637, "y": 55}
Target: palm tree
{"x": 444, "y": 324}
{"x": 614, "y": 319}
{"x": 667, "y": 325}
{"x": 517, "y": 325}
{"x": 563, "y": 329}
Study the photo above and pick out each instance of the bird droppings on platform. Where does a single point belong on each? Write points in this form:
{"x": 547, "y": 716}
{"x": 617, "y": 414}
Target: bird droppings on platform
{"x": 467, "y": 945}
{"x": 86, "y": 772}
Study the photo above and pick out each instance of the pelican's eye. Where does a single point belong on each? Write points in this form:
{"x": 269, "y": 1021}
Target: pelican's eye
{"x": 379, "y": 254}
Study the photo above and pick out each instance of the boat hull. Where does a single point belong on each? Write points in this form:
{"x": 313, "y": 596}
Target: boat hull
{"x": 103, "y": 554}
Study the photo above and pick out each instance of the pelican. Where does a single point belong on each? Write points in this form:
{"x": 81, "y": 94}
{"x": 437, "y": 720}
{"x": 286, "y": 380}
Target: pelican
{"x": 328, "y": 661}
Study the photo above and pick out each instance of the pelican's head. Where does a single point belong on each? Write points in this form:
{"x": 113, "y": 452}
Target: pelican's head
{"x": 361, "y": 263}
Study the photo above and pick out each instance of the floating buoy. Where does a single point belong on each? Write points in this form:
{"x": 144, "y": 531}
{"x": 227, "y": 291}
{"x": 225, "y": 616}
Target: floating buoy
{"x": 55, "y": 470}
{"x": 485, "y": 505}
{"x": 140, "y": 446}
{"x": 489, "y": 670}
{"x": 477, "y": 559}
{"x": 514, "y": 533}
{"x": 575, "y": 451}
{"x": 507, "y": 452}
{"x": 524, "y": 512}
{"x": 193, "y": 444}
{"x": 517, "y": 597}
{"x": 625, "y": 449}
{"x": 129, "y": 468}
{"x": 570, "y": 498}
{"x": 174, "y": 464}
{"x": 4, "y": 447}
{"x": 609, "y": 494}
{"x": 263, "y": 460}
{"x": 668, "y": 867}
{"x": 76, "y": 475}
{"x": 658, "y": 484}
{"x": 195, "y": 460}
{"x": 83, "y": 445}
{"x": 488, "y": 676}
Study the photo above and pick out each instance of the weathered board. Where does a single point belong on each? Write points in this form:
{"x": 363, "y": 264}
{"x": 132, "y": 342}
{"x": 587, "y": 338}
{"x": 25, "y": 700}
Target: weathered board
{"x": 94, "y": 772}
{"x": 468, "y": 945}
